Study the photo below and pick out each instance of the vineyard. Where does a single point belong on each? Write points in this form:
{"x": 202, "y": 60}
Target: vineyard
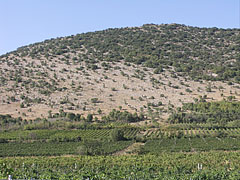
{"x": 62, "y": 142}
{"x": 64, "y": 135}
{"x": 98, "y": 141}
{"x": 209, "y": 165}
{"x": 191, "y": 150}
{"x": 61, "y": 148}
{"x": 129, "y": 133}
{"x": 191, "y": 145}
{"x": 192, "y": 132}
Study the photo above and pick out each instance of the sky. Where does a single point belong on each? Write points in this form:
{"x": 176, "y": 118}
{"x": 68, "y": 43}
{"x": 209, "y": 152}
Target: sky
{"x": 25, "y": 22}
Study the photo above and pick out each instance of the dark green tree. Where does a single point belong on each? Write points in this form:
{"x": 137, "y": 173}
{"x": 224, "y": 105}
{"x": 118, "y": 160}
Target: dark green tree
{"x": 117, "y": 135}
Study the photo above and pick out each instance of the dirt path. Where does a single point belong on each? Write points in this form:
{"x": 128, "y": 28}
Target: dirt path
{"x": 129, "y": 150}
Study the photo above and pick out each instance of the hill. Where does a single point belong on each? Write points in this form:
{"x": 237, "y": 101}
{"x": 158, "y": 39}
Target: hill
{"x": 152, "y": 69}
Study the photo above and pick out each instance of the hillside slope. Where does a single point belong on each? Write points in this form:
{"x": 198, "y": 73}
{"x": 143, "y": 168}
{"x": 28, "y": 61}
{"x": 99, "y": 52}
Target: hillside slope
{"x": 151, "y": 69}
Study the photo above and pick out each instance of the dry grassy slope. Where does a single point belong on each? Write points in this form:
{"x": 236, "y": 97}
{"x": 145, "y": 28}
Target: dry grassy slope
{"x": 131, "y": 87}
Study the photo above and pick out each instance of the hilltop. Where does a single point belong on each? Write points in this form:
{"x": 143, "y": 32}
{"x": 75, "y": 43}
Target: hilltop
{"x": 152, "y": 69}
{"x": 149, "y": 102}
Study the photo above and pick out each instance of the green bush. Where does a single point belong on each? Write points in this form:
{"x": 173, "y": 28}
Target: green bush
{"x": 117, "y": 135}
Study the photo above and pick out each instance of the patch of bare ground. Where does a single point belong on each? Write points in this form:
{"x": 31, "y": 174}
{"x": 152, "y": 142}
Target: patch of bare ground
{"x": 55, "y": 85}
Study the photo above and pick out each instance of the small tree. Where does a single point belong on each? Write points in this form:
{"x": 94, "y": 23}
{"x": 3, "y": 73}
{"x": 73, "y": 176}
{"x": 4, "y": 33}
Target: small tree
{"x": 70, "y": 116}
{"x": 82, "y": 150}
{"x": 117, "y": 135}
{"x": 99, "y": 111}
{"x": 49, "y": 114}
{"x": 89, "y": 117}
{"x": 94, "y": 100}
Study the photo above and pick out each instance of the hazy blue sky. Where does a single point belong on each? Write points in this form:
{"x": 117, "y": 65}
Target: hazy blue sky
{"x": 27, "y": 21}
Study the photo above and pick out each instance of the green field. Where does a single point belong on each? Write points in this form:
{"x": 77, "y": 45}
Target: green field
{"x": 49, "y": 134}
{"x": 215, "y": 165}
{"x": 114, "y": 150}
{"x": 61, "y": 148}
{"x": 191, "y": 145}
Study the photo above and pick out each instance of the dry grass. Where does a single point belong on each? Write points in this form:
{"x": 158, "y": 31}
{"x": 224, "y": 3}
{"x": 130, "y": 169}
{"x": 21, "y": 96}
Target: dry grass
{"x": 129, "y": 87}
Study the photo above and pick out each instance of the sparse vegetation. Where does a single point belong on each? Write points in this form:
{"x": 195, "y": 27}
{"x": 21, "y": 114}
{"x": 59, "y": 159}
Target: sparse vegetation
{"x": 157, "y": 89}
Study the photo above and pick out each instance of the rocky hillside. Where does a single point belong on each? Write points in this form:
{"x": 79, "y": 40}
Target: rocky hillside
{"x": 151, "y": 69}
